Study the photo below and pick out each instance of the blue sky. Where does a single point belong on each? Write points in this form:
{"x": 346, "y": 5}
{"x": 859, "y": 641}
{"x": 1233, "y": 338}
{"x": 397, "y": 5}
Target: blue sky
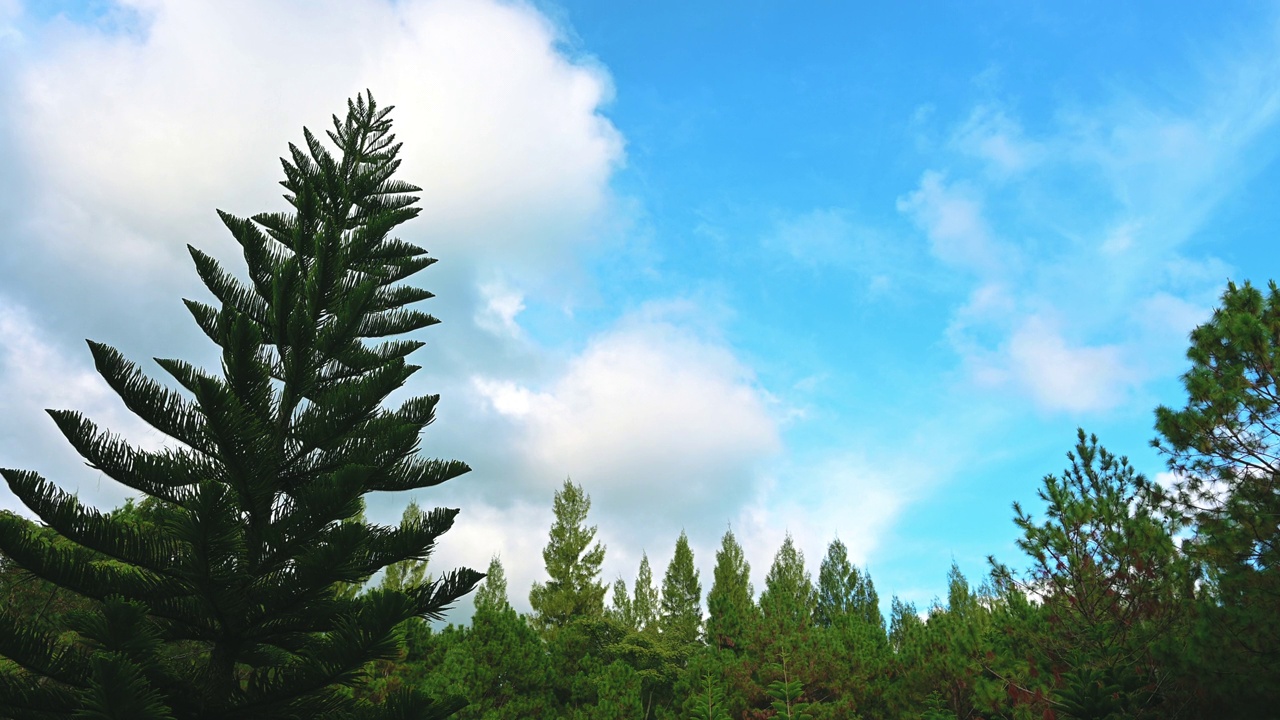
{"x": 787, "y": 267}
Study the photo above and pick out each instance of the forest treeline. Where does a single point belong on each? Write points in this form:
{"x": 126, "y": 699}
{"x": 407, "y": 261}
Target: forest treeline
{"x": 246, "y": 583}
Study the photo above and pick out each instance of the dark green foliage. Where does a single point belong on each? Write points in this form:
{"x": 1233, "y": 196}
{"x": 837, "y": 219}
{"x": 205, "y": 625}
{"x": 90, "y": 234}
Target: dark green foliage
{"x": 680, "y": 618}
{"x": 787, "y": 601}
{"x": 845, "y": 592}
{"x": 707, "y": 702}
{"x": 1111, "y": 580}
{"x": 499, "y": 665}
{"x": 573, "y": 563}
{"x": 226, "y": 604}
{"x": 731, "y": 608}
{"x": 618, "y": 693}
{"x": 787, "y": 692}
{"x": 1224, "y": 448}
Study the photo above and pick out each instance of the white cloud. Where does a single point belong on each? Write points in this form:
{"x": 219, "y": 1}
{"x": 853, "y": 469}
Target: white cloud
{"x": 133, "y": 139}
{"x": 650, "y": 417}
{"x": 1062, "y": 376}
{"x": 951, "y": 215}
{"x": 502, "y": 304}
{"x": 846, "y": 496}
{"x": 997, "y": 139}
{"x": 35, "y": 375}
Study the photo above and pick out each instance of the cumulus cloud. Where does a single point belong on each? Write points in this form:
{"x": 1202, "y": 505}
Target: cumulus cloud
{"x": 122, "y": 137}
{"x": 649, "y": 416}
{"x": 132, "y": 138}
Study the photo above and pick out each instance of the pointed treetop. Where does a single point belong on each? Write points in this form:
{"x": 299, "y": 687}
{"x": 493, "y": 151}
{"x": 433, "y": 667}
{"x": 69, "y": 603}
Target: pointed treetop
{"x": 572, "y": 562}
{"x": 681, "y": 615}
{"x": 730, "y": 603}
{"x": 491, "y": 596}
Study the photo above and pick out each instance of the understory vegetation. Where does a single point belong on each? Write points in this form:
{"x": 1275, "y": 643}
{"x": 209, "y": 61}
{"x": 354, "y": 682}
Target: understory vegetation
{"x": 247, "y": 583}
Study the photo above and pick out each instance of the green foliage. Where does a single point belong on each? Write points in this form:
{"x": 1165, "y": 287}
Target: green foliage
{"x": 227, "y": 605}
{"x": 618, "y": 693}
{"x": 708, "y": 701}
{"x": 413, "y": 571}
{"x": 573, "y": 563}
{"x": 1223, "y": 448}
{"x": 680, "y": 618}
{"x": 491, "y": 596}
{"x": 844, "y": 591}
{"x": 645, "y": 603}
{"x": 500, "y": 665}
{"x": 621, "y": 608}
{"x": 786, "y": 693}
{"x": 731, "y": 607}
{"x": 1109, "y": 574}
{"x": 787, "y": 601}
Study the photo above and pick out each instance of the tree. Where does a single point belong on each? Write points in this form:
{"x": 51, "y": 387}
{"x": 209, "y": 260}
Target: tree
{"x": 645, "y": 603}
{"x": 844, "y": 591}
{"x": 620, "y": 608}
{"x": 681, "y": 617}
{"x": 1224, "y": 451}
{"x": 731, "y": 606}
{"x": 787, "y": 600}
{"x": 492, "y": 593}
{"x": 411, "y": 572}
{"x": 573, "y": 563}
{"x": 1110, "y": 578}
{"x": 227, "y": 605}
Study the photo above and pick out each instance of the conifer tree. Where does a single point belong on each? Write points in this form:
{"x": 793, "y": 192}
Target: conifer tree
{"x": 228, "y": 606}
{"x": 412, "y": 572}
{"x": 574, "y": 590}
{"x": 645, "y": 602}
{"x": 1109, "y": 574}
{"x": 492, "y": 593}
{"x": 621, "y": 606}
{"x": 837, "y": 582}
{"x": 1224, "y": 450}
{"x": 681, "y": 616}
{"x": 787, "y": 600}
{"x": 731, "y": 608}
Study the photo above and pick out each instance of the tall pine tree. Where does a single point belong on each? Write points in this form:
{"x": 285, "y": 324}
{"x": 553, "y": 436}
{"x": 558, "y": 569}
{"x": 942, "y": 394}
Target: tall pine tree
{"x": 574, "y": 590}
{"x": 731, "y": 609}
{"x": 681, "y": 616}
{"x": 228, "y": 605}
{"x": 644, "y": 605}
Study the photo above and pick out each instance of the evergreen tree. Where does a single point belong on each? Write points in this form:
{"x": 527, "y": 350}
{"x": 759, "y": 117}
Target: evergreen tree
{"x": 227, "y": 606}
{"x": 1109, "y": 575}
{"x": 621, "y": 606}
{"x": 645, "y": 602}
{"x": 681, "y": 616}
{"x": 492, "y": 593}
{"x": 787, "y": 600}
{"x": 1224, "y": 450}
{"x": 573, "y": 563}
{"x": 731, "y": 608}
{"x": 618, "y": 693}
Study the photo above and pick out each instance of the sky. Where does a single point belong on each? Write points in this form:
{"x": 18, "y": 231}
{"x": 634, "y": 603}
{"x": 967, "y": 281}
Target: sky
{"x": 808, "y": 268}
